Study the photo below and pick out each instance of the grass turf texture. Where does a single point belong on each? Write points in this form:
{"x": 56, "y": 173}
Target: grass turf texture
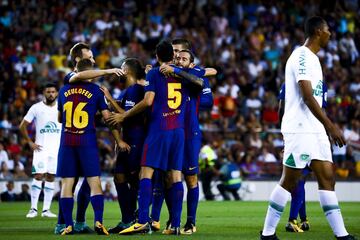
{"x": 216, "y": 220}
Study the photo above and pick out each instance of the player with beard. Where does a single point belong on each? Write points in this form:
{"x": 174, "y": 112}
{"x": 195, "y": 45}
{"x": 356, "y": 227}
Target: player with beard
{"x": 45, "y": 147}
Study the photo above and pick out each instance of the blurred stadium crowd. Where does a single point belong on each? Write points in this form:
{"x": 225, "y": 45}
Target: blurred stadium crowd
{"x": 248, "y": 42}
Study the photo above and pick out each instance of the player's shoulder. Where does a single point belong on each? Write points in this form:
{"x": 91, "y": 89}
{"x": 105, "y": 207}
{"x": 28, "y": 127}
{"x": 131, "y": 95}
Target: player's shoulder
{"x": 68, "y": 76}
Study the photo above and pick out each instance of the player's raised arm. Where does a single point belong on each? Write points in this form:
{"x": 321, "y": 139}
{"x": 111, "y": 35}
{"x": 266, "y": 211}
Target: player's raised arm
{"x": 210, "y": 72}
{"x": 111, "y": 100}
{"x": 196, "y": 81}
{"x": 92, "y": 74}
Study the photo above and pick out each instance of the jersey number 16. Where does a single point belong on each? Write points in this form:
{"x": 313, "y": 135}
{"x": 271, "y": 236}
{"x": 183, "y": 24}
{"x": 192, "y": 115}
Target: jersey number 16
{"x": 77, "y": 118}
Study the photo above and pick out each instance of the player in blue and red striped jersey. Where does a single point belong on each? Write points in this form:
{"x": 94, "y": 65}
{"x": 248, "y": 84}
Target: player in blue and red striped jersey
{"x": 78, "y": 52}
{"x": 298, "y": 205}
{"x": 199, "y": 98}
{"x": 126, "y": 174}
{"x": 78, "y": 152}
{"x": 164, "y": 145}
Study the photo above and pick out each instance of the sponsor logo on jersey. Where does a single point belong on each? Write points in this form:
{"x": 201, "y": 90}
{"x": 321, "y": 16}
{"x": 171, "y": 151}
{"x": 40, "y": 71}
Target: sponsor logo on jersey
{"x": 129, "y": 103}
{"x": 305, "y": 157}
{"x": 50, "y": 127}
{"x": 302, "y": 68}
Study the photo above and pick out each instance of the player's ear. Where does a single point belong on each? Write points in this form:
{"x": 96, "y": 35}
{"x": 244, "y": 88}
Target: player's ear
{"x": 77, "y": 59}
{"x": 192, "y": 65}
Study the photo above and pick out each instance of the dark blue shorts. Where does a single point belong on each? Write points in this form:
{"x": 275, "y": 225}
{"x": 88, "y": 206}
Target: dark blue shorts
{"x": 129, "y": 162}
{"x": 164, "y": 150}
{"x": 75, "y": 161}
{"x": 191, "y": 156}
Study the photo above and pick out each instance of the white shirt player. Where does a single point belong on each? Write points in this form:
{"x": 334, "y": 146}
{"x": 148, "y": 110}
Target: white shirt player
{"x": 48, "y": 129}
{"x": 303, "y": 64}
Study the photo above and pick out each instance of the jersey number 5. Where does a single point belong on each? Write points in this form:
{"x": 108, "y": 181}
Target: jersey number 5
{"x": 174, "y": 95}
{"x": 79, "y": 118}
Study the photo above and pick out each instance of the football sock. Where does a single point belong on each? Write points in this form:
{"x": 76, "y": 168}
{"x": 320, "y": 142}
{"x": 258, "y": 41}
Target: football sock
{"x": 158, "y": 196}
{"x": 36, "y": 187}
{"x": 48, "y": 194}
{"x": 97, "y": 202}
{"x": 67, "y": 205}
{"x": 278, "y": 199}
{"x": 168, "y": 200}
{"x": 297, "y": 198}
{"x": 83, "y": 199}
{"x": 302, "y": 210}
{"x": 123, "y": 193}
{"x": 177, "y": 194}
{"x": 145, "y": 193}
{"x": 133, "y": 199}
{"x": 330, "y": 206}
{"x": 61, "y": 219}
{"x": 192, "y": 203}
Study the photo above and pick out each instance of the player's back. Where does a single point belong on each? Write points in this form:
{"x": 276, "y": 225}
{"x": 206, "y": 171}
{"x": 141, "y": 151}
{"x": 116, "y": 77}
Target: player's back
{"x": 78, "y": 104}
{"x": 168, "y": 109}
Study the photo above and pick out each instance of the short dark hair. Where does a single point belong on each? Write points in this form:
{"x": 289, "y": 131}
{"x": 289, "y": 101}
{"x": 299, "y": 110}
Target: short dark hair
{"x": 182, "y": 41}
{"x": 165, "y": 51}
{"x": 50, "y": 85}
{"x": 192, "y": 57}
{"x": 84, "y": 64}
{"x": 76, "y": 51}
{"x": 136, "y": 67}
{"x": 312, "y": 24}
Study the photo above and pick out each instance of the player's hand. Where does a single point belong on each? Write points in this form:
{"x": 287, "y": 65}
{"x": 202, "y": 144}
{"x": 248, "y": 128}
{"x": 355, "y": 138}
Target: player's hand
{"x": 166, "y": 69}
{"x": 117, "y": 71}
{"x": 35, "y": 147}
{"x": 148, "y": 67}
{"x": 115, "y": 118}
{"x": 336, "y": 135}
{"x": 106, "y": 92}
{"x": 123, "y": 146}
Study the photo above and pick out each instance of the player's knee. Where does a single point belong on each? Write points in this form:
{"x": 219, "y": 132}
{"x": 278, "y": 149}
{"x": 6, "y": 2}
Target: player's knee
{"x": 119, "y": 178}
{"x": 327, "y": 183}
{"x": 49, "y": 177}
{"x": 39, "y": 176}
{"x": 191, "y": 181}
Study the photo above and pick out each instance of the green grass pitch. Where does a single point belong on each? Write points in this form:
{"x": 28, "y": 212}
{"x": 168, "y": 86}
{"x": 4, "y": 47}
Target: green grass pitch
{"x": 216, "y": 220}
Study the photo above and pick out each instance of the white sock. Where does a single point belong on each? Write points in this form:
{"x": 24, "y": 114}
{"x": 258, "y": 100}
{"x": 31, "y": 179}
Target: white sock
{"x": 35, "y": 192}
{"x": 330, "y": 206}
{"x": 48, "y": 194}
{"x": 278, "y": 200}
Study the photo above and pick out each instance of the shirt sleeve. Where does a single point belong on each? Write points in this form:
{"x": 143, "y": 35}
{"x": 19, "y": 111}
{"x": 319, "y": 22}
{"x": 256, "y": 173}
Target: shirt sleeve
{"x": 67, "y": 77}
{"x": 31, "y": 114}
{"x": 150, "y": 80}
{"x": 303, "y": 66}
{"x": 206, "y": 97}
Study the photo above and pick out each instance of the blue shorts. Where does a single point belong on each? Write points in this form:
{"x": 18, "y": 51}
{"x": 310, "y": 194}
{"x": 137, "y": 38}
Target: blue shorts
{"x": 75, "y": 161}
{"x": 191, "y": 156}
{"x": 129, "y": 162}
{"x": 164, "y": 150}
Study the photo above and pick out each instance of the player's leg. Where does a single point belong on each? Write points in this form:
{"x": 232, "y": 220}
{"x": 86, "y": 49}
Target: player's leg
{"x": 326, "y": 180}
{"x": 124, "y": 200}
{"x": 67, "y": 203}
{"x": 190, "y": 170}
{"x": 297, "y": 197}
{"x": 145, "y": 196}
{"x": 83, "y": 200}
{"x": 222, "y": 190}
{"x": 38, "y": 171}
{"x": 175, "y": 164}
{"x": 36, "y": 186}
{"x": 49, "y": 188}
{"x": 278, "y": 200}
{"x": 158, "y": 199}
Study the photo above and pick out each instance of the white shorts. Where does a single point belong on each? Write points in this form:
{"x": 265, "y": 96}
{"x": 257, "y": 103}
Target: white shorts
{"x": 301, "y": 148}
{"x": 44, "y": 162}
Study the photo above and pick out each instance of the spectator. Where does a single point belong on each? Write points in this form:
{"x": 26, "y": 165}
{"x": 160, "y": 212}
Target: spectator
{"x": 9, "y": 195}
{"x": 24, "y": 195}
